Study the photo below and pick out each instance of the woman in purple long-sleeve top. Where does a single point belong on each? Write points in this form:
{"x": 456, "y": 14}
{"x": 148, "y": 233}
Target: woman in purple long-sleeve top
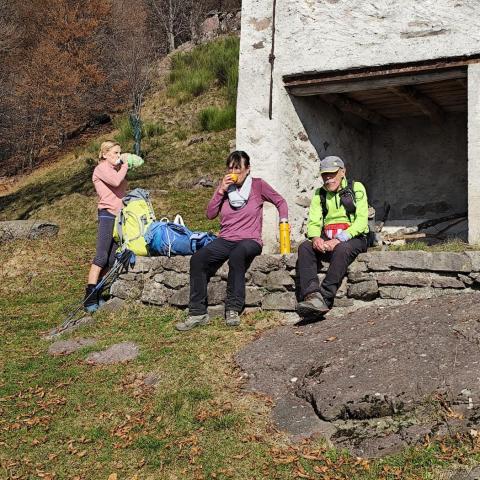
{"x": 239, "y": 200}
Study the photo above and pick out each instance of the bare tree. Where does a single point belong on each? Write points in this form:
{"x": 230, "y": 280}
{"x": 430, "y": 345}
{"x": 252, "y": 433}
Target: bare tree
{"x": 174, "y": 17}
{"x": 134, "y": 55}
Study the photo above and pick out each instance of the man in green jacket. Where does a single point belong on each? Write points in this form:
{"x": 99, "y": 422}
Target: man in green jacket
{"x": 337, "y": 231}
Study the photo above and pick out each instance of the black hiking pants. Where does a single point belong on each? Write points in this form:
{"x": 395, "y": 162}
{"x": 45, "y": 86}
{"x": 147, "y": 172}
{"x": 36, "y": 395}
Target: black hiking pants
{"x": 106, "y": 245}
{"x": 309, "y": 263}
{"x": 206, "y": 261}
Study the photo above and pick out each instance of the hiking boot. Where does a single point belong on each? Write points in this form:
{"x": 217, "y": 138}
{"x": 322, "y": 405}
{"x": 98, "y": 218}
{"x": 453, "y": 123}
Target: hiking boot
{"x": 192, "y": 321}
{"x": 312, "y": 304}
{"x": 100, "y": 299}
{"x": 232, "y": 318}
{"x": 90, "y": 302}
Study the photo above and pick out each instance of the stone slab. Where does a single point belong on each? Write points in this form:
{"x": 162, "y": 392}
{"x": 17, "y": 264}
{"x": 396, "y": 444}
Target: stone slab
{"x": 180, "y": 298}
{"x": 279, "y": 280}
{"x": 283, "y": 301}
{"x": 266, "y": 263}
{"x": 446, "y": 282}
{"x": 127, "y": 290}
{"x": 418, "y": 260}
{"x": 363, "y": 290}
{"x": 253, "y": 296}
{"x": 409, "y": 279}
{"x": 115, "y": 304}
{"x": 175, "y": 280}
{"x": 66, "y": 347}
{"x": 118, "y": 353}
{"x": 155, "y": 293}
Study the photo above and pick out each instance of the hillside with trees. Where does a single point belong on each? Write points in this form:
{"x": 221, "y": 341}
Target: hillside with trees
{"x": 180, "y": 409}
{"x": 69, "y": 65}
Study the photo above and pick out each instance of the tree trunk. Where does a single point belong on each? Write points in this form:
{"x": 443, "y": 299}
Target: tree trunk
{"x": 170, "y": 30}
{"x": 136, "y": 124}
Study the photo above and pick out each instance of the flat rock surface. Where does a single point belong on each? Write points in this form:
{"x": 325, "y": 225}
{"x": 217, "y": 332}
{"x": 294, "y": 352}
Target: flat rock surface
{"x": 378, "y": 379}
{"x": 114, "y": 304}
{"x": 65, "y": 347}
{"x": 27, "y": 229}
{"x": 118, "y": 353}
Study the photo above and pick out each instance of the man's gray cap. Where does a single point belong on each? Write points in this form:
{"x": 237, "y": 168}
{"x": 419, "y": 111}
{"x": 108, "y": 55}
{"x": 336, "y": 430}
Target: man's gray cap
{"x": 331, "y": 164}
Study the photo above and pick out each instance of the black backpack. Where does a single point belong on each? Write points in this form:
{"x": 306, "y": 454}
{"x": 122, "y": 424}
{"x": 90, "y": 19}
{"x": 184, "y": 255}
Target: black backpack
{"x": 347, "y": 199}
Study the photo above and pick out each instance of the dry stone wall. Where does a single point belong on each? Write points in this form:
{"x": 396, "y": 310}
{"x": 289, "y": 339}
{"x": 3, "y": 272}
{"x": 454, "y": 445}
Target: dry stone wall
{"x": 375, "y": 278}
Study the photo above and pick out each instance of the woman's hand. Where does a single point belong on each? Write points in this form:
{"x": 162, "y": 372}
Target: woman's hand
{"x": 225, "y": 183}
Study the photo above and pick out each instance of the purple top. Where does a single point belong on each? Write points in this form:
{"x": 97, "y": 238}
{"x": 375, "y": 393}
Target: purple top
{"x": 245, "y": 223}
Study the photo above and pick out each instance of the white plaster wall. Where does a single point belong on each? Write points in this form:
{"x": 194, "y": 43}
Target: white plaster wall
{"x": 474, "y": 154}
{"x": 321, "y": 35}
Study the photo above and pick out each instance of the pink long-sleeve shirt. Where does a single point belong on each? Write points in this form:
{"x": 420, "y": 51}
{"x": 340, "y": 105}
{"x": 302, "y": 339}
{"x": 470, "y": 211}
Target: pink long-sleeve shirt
{"x": 111, "y": 185}
{"x": 245, "y": 223}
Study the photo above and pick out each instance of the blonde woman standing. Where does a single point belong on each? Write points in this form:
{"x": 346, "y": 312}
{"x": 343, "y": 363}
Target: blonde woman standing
{"x": 111, "y": 186}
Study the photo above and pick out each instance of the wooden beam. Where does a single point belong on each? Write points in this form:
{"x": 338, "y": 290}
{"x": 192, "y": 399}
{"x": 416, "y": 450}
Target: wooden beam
{"x": 323, "y": 86}
{"x": 409, "y": 68}
{"x": 463, "y": 82}
{"x": 348, "y": 105}
{"x": 418, "y": 99}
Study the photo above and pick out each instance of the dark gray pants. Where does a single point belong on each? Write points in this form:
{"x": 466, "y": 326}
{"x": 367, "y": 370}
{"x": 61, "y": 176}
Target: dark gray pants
{"x": 106, "y": 246}
{"x": 206, "y": 261}
{"x": 310, "y": 263}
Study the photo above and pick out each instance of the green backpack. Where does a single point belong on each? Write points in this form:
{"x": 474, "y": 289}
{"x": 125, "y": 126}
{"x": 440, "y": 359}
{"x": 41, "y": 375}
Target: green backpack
{"x": 133, "y": 221}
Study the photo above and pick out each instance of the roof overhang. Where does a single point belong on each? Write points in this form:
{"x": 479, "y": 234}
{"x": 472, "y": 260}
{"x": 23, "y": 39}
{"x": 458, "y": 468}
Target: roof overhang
{"x": 430, "y": 88}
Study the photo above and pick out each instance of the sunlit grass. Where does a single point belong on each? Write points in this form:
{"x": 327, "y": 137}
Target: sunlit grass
{"x": 63, "y": 418}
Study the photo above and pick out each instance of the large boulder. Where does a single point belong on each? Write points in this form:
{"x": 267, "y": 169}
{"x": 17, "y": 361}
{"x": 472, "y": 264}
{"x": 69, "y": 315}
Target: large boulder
{"x": 377, "y": 380}
{"x": 27, "y": 229}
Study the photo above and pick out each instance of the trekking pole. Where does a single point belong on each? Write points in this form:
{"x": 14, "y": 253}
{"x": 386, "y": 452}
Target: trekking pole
{"x": 122, "y": 262}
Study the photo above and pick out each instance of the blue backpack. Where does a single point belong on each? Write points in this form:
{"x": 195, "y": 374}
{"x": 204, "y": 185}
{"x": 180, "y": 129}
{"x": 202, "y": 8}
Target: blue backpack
{"x": 174, "y": 238}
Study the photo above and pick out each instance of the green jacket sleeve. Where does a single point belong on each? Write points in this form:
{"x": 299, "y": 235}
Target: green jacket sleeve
{"x": 360, "y": 224}
{"x": 315, "y": 217}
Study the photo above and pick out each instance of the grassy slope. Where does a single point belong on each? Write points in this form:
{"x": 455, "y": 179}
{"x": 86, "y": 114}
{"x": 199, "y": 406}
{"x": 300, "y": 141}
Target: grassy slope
{"x": 61, "y": 418}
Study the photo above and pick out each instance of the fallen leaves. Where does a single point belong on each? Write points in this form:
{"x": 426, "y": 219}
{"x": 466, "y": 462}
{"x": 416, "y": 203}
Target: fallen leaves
{"x": 331, "y": 339}
{"x": 213, "y": 410}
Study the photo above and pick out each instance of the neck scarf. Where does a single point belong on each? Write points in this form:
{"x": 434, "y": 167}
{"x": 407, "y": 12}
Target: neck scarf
{"x": 238, "y": 198}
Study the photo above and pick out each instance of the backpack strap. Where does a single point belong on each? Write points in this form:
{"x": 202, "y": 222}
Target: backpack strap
{"x": 350, "y": 185}
{"x": 120, "y": 220}
{"x": 179, "y": 219}
{"x": 323, "y": 203}
{"x": 323, "y": 200}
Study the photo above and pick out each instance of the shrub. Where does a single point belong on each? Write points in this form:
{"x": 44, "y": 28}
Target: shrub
{"x": 180, "y": 134}
{"x": 216, "y": 119}
{"x": 194, "y": 72}
{"x": 151, "y": 129}
{"x": 125, "y": 131}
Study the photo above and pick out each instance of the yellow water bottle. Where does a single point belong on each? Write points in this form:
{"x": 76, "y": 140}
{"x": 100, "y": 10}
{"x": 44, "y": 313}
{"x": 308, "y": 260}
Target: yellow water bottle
{"x": 284, "y": 236}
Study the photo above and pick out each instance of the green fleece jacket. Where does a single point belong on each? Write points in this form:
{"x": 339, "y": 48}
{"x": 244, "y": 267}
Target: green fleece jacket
{"x": 336, "y": 212}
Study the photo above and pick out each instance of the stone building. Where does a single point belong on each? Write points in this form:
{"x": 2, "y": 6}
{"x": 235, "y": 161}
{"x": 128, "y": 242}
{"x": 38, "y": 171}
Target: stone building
{"x": 391, "y": 86}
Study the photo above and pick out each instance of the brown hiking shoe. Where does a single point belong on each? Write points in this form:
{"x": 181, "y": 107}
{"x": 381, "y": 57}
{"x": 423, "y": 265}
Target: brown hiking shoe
{"x": 312, "y": 304}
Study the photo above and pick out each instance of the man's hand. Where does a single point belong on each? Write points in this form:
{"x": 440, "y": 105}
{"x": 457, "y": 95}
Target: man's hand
{"x": 330, "y": 245}
{"x": 318, "y": 244}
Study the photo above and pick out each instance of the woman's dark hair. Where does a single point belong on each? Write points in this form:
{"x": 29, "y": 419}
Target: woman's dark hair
{"x": 235, "y": 159}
